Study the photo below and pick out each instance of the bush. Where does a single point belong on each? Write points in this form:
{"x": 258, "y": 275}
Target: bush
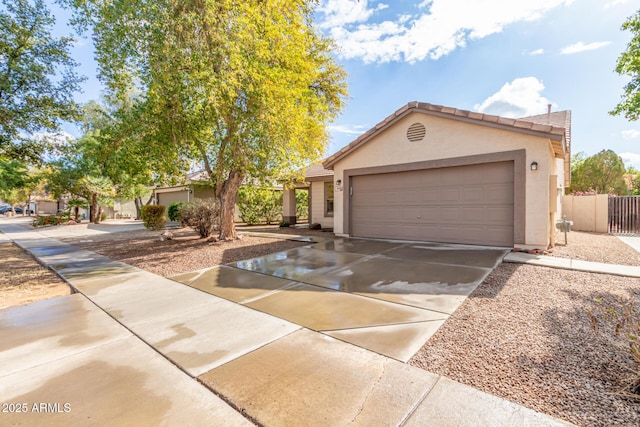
{"x": 259, "y": 205}
{"x": 174, "y": 211}
{"x": 202, "y": 216}
{"x": 153, "y": 216}
{"x": 42, "y": 220}
{"x": 302, "y": 204}
{"x": 617, "y": 321}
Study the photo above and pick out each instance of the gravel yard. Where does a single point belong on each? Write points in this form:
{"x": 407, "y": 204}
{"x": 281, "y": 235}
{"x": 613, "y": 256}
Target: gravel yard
{"x": 524, "y": 335}
{"x": 23, "y": 280}
{"x": 186, "y": 251}
{"x": 595, "y": 247}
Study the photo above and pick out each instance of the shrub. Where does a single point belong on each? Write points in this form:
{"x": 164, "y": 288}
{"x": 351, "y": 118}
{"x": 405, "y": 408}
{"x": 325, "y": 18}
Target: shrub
{"x": 259, "y": 205}
{"x": 202, "y": 216}
{"x": 617, "y": 321}
{"x": 153, "y": 216}
{"x": 42, "y": 220}
{"x": 174, "y": 211}
{"x": 302, "y": 204}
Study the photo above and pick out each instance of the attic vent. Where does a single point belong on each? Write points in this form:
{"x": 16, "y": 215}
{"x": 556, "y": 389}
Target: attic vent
{"x": 416, "y": 132}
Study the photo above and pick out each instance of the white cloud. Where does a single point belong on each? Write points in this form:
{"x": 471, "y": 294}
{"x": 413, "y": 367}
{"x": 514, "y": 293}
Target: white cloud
{"x": 630, "y": 133}
{"x": 631, "y": 159}
{"x": 535, "y": 52}
{"x": 440, "y": 27}
{"x": 348, "y": 129}
{"x": 338, "y": 13}
{"x": 613, "y": 3}
{"x": 520, "y": 98}
{"x": 581, "y": 47}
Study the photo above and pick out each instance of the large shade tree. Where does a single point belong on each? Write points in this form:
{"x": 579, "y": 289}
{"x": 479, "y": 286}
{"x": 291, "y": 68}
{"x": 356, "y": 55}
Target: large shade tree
{"x": 37, "y": 78}
{"x": 244, "y": 87}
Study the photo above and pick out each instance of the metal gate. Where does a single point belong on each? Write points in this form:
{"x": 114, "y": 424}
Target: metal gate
{"x": 624, "y": 214}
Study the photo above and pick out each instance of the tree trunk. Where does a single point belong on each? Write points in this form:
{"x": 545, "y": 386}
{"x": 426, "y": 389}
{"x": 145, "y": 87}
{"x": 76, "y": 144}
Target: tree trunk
{"x": 94, "y": 208}
{"x": 228, "y": 197}
{"x": 76, "y": 212}
{"x": 99, "y": 215}
{"x": 138, "y": 202}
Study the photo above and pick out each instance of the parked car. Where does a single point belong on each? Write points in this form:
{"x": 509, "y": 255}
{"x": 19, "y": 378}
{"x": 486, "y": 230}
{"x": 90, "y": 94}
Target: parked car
{"x": 18, "y": 209}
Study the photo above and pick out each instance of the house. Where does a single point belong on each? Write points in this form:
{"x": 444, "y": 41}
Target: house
{"x": 435, "y": 173}
{"x": 197, "y": 186}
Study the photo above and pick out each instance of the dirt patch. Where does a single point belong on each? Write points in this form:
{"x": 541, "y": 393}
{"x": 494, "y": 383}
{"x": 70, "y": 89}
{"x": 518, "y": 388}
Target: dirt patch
{"x": 524, "y": 335}
{"x": 186, "y": 251}
{"x": 23, "y": 280}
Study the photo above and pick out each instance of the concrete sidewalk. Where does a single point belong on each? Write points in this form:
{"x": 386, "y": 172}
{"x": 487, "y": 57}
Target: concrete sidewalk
{"x": 579, "y": 265}
{"x": 135, "y": 348}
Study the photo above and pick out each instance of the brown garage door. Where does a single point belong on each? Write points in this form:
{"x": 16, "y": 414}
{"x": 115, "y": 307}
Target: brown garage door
{"x": 463, "y": 204}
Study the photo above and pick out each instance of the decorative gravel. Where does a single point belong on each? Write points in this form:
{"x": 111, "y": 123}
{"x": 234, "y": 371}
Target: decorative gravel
{"x": 595, "y": 247}
{"x": 524, "y": 335}
{"x": 186, "y": 251}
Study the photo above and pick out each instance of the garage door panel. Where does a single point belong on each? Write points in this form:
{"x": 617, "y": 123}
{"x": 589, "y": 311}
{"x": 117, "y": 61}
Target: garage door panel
{"x": 449, "y": 195}
{"x": 500, "y": 215}
{"x": 501, "y": 172}
{"x": 429, "y": 195}
{"x": 466, "y": 204}
{"x": 447, "y": 177}
{"x": 472, "y": 195}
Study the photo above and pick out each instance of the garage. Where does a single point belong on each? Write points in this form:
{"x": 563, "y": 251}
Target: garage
{"x": 440, "y": 174}
{"x": 472, "y": 204}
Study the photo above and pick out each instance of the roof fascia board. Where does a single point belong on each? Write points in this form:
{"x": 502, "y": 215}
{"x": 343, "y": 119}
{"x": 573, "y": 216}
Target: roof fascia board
{"x": 380, "y": 127}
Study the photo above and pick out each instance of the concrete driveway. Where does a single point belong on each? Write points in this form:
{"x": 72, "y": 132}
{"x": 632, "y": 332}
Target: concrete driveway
{"x": 157, "y": 352}
{"x": 385, "y": 296}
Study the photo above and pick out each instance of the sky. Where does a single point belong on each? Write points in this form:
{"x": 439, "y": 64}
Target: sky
{"x": 504, "y": 57}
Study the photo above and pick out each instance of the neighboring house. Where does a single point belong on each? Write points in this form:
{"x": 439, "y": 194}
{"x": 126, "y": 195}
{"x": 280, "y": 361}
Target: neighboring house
{"x": 197, "y": 186}
{"x": 435, "y": 173}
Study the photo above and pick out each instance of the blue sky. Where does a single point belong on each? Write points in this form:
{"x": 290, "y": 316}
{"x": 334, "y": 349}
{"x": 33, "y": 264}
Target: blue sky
{"x": 503, "y": 57}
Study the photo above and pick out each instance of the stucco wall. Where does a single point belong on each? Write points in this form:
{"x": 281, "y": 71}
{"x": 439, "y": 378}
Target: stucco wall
{"x": 446, "y": 139}
{"x": 317, "y": 206}
{"x": 588, "y": 213}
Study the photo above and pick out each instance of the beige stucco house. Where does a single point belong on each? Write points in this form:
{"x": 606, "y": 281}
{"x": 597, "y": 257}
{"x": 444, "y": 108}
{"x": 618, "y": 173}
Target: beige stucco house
{"x": 435, "y": 173}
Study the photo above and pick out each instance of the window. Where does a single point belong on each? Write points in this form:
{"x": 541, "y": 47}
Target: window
{"x": 328, "y": 199}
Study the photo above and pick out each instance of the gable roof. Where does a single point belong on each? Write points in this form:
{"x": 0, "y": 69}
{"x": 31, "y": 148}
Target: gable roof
{"x": 554, "y": 131}
{"x": 316, "y": 172}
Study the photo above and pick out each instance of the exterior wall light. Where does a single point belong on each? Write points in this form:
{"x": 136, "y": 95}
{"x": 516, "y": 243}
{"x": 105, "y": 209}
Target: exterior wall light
{"x": 339, "y": 182}
{"x": 534, "y": 166}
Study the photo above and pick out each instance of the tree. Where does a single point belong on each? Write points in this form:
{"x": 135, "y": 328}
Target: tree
{"x": 603, "y": 173}
{"x": 628, "y": 64}
{"x": 37, "y": 78}
{"x": 246, "y": 88}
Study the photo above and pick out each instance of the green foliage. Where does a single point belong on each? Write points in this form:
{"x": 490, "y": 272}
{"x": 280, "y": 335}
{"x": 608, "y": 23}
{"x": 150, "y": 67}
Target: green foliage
{"x": 302, "y": 204}
{"x": 259, "y": 205}
{"x": 43, "y": 220}
{"x": 174, "y": 211}
{"x": 602, "y": 173}
{"x": 153, "y": 217}
{"x": 629, "y": 65}
{"x": 202, "y": 216}
{"x": 37, "y": 78}
{"x": 247, "y": 88}
{"x": 617, "y": 320}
